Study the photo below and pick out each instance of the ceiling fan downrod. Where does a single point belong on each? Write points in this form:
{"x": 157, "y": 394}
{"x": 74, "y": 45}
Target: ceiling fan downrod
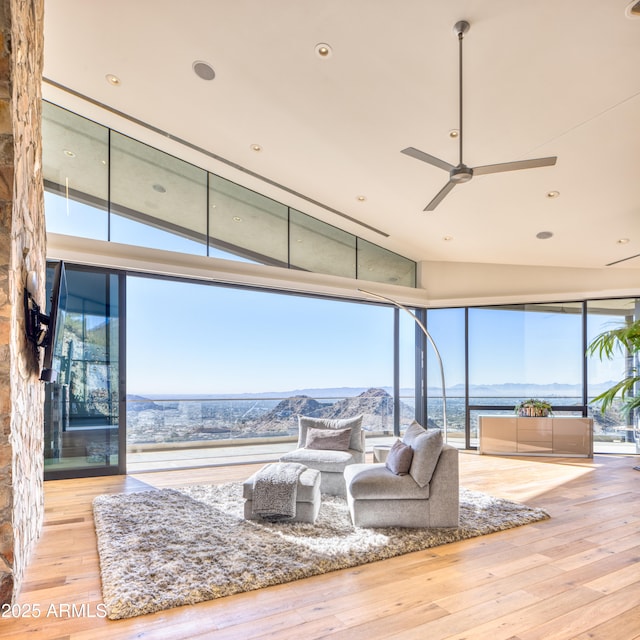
{"x": 460, "y": 28}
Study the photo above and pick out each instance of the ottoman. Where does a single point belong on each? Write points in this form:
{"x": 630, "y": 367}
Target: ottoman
{"x": 307, "y": 497}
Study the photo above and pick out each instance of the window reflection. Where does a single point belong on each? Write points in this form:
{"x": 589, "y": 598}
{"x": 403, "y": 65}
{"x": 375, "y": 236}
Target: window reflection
{"x": 157, "y": 200}
{"x": 380, "y": 265}
{"x": 73, "y": 218}
{"x": 245, "y": 223}
{"x": 321, "y": 248}
{"x": 75, "y": 155}
{"x": 82, "y": 406}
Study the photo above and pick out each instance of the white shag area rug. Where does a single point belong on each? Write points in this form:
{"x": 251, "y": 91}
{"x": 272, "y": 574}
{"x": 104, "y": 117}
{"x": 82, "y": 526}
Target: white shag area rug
{"x": 171, "y": 547}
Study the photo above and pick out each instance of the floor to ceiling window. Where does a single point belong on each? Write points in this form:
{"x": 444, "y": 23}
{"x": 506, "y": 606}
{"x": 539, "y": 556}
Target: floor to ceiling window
{"x": 517, "y": 352}
{"x": 217, "y": 373}
{"x": 214, "y": 374}
{"x": 210, "y": 368}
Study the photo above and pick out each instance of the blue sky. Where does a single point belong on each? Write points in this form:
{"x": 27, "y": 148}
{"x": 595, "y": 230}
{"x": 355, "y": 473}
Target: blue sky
{"x": 534, "y": 348}
{"x": 190, "y": 338}
{"x": 198, "y": 339}
{"x": 523, "y": 347}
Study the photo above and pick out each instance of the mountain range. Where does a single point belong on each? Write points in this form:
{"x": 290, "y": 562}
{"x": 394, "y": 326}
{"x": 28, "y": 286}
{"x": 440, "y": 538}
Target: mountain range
{"x": 375, "y": 404}
{"x": 507, "y": 389}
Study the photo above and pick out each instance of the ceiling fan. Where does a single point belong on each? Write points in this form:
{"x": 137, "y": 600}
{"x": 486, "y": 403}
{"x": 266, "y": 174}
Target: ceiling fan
{"x": 461, "y": 172}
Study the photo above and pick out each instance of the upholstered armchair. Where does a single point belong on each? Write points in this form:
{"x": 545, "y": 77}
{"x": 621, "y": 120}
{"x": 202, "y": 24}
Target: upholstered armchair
{"x": 418, "y": 486}
{"x": 329, "y": 446}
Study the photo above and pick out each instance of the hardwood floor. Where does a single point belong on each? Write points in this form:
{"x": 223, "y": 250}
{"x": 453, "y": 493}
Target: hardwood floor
{"x": 574, "y": 576}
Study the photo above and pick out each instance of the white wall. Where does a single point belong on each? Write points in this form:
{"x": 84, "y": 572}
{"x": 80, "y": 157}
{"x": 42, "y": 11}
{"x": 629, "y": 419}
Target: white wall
{"x": 466, "y": 283}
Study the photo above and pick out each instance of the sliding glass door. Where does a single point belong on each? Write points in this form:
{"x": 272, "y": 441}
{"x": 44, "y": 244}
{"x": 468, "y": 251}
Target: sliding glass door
{"x": 82, "y": 407}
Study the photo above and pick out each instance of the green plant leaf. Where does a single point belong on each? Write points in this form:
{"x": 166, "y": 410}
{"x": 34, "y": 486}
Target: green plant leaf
{"x": 623, "y": 340}
{"x": 624, "y": 388}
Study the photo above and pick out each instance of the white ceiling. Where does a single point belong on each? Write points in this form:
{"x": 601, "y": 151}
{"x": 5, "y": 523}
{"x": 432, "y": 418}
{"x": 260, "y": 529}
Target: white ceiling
{"x": 545, "y": 78}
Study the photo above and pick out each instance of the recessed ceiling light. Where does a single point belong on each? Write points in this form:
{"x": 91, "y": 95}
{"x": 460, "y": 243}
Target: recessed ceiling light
{"x": 256, "y": 147}
{"x": 323, "y": 50}
{"x": 553, "y": 194}
{"x": 69, "y": 154}
{"x": 361, "y": 198}
{"x": 203, "y": 70}
{"x": 237, "y": 219}
{"x": 624, "y": 241}
{"x": 447, "y": 238}
{"x": 159, "y": 188}
{"x": 454, "y": 133}
{"x": 113, "y": 80}
{"x": 633, "y": 10}
{"x": 544, "y": 235}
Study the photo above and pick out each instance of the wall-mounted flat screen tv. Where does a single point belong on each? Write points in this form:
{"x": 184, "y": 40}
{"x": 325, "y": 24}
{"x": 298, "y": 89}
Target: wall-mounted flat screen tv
{"x": 56, "y": 310}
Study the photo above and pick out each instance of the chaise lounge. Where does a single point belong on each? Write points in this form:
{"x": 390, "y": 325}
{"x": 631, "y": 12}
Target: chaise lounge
{"x": 329, "y": 446}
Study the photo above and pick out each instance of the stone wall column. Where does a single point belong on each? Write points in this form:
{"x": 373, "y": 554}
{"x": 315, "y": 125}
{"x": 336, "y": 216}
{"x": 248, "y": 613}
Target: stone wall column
{"x": 22, "y": 249}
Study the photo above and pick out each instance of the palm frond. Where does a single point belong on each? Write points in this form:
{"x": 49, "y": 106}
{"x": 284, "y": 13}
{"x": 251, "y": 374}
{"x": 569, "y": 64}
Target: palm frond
{"x": 624, "y": 388}
{"x": 624, "y": 339}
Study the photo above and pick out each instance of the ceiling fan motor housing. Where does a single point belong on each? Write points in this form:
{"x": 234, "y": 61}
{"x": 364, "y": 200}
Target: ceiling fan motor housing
{"x": 461, "y": 173}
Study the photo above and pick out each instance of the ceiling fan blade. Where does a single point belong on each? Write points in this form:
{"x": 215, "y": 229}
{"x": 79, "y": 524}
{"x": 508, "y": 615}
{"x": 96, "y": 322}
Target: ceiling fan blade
{"x": 513, "y": 166}
{"x": 610, "y": 264}
{"x": 425, "y": 157}
{"x": 441, "y": 195}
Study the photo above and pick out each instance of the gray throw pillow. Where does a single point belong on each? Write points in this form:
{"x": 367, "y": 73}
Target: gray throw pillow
{"x": 426, "y": 447}
{"x": 355, "y": 424}
{"x": 399, "y": 458}
{"x": 414, "y": 430}
{"x": 334, "y": 439}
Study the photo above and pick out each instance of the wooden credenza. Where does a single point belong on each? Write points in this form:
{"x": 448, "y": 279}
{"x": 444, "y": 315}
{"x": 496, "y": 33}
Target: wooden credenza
{"x": 505, "y": 435}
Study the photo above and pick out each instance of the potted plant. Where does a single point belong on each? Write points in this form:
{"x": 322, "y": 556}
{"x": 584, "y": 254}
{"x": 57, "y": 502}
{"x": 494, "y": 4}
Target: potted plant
{"x": 533, "y": 408}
